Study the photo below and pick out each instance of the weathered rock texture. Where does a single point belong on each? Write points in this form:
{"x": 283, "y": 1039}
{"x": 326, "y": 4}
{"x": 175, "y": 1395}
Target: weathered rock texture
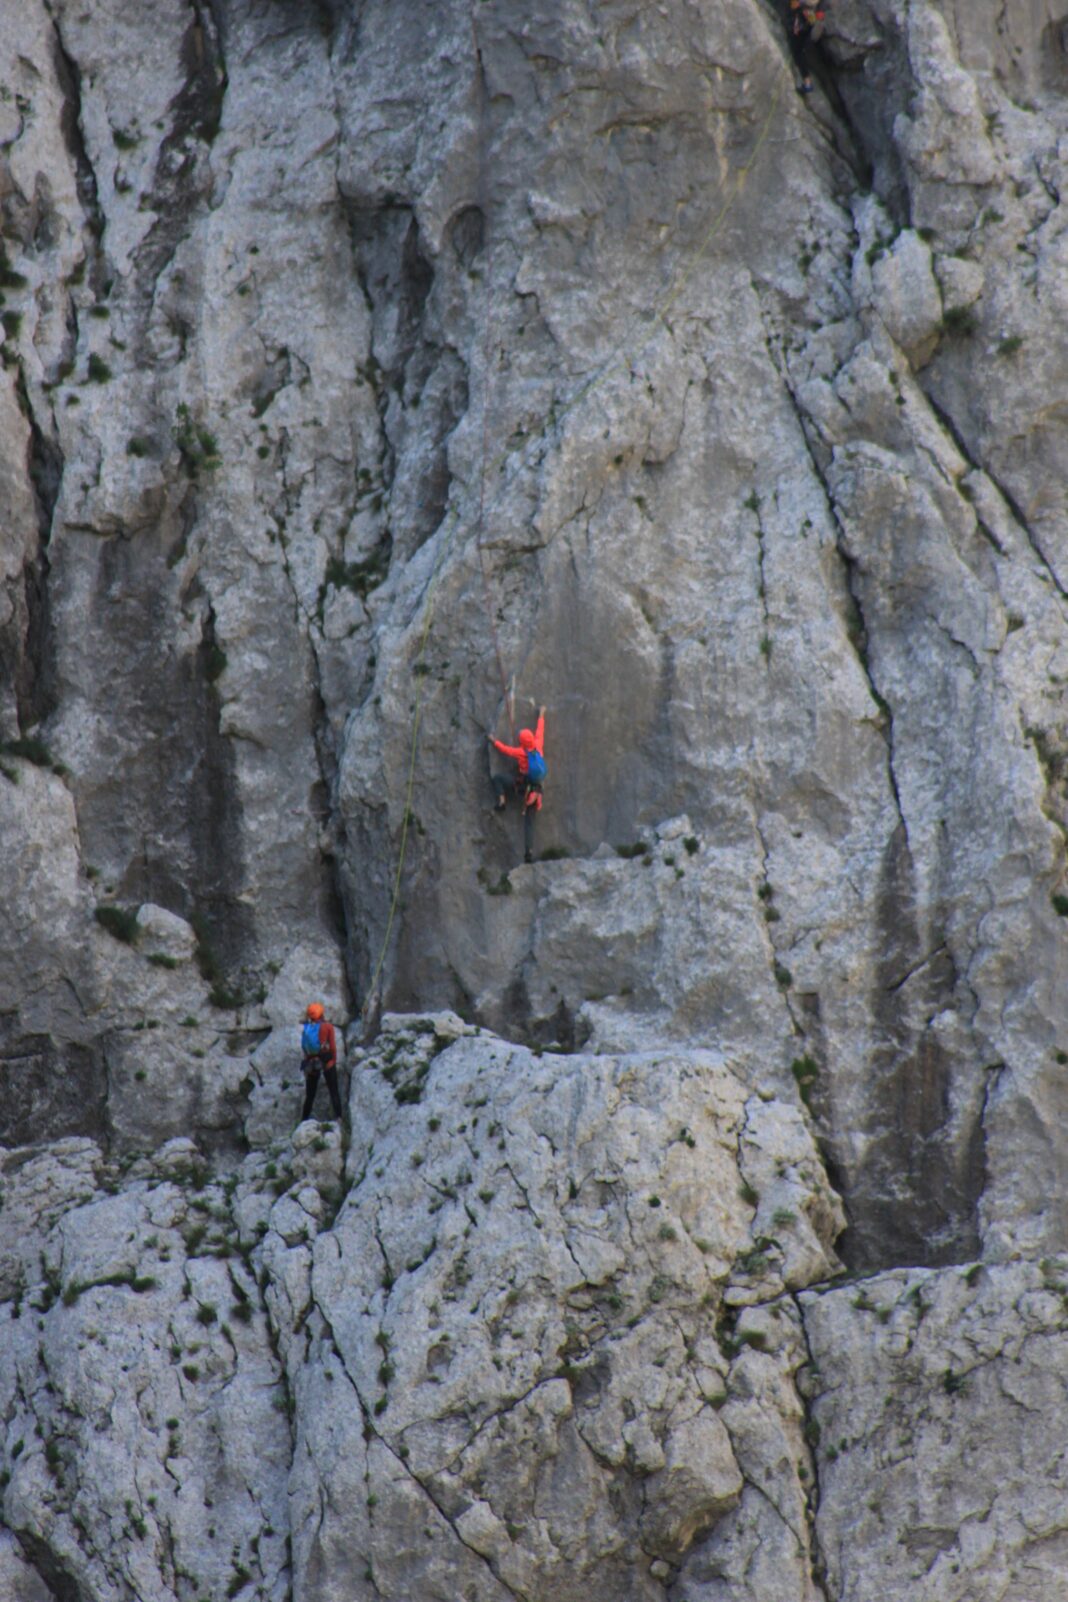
{"x": 941, "y": 1463}
{"x": 534, "y": 1334}
{"x": 370, "y": 371}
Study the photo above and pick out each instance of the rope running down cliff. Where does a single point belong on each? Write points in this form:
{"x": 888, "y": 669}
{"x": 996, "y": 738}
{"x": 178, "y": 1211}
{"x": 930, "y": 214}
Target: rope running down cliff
{"x": 624, "y": 354}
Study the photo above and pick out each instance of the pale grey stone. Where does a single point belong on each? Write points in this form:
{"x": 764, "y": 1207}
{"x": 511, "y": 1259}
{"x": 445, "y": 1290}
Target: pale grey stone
{"x": 365, "y": 367}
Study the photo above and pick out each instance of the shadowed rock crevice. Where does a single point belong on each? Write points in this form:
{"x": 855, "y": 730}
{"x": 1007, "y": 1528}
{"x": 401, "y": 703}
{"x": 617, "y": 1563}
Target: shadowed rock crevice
{"x": 61, "y": 1584}
{"x": 215, "y": 824}
{"x": 34, "y": 666}
{"x": 49, "y": 1089}
{"x": 864, "y": 72}
{"x": 418, "y": 377}
{"x": 166, "y": 825}
{"x": 913, "y": 1195}
{"x": 181, "y": 183}
{"x": 68, "y": 74}
{"x": 956, "y": 433}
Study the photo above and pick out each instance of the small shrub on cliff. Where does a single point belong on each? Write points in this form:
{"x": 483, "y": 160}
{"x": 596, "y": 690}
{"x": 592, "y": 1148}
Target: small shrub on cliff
{"x": 360, "y": 577}
{"x": 241, "y": 1577}
{"x": 215, "y": 665}
{"x": 805, "y": 1071}
{"x": 959, "y": 320}
{"x": 121, "y": 922}
{"x": 224, "y": 998}
{"x": 9, "y": 278}
{"x": 29, "y": 749}
{"x": 197, "y": 444}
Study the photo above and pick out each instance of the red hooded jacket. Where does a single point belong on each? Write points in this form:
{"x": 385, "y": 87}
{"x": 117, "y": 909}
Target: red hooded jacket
{"x": 327, "y": 1044}
{"x": 527, "y": 742}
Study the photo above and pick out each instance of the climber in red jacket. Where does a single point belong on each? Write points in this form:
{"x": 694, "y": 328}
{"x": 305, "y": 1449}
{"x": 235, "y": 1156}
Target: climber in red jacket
{"x": 318, "y": 1053}
{"x": 529, "y": 757}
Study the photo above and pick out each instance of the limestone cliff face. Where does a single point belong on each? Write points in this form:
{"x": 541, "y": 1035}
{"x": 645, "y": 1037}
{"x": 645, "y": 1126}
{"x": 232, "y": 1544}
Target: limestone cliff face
{"x": 371, "y": 371}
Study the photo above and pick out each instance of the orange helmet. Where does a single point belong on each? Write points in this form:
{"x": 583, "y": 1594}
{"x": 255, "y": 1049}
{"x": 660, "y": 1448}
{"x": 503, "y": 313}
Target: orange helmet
{"x": 526, "y": 739}
{"x": 315, "y": 1011}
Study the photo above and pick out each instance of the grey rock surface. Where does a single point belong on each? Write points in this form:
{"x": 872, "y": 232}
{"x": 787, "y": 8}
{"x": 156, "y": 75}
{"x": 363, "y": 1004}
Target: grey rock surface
{"x": 369, "y": 374}
{"x": 534, "y": 1331}
{"x": 941, "y": 1466}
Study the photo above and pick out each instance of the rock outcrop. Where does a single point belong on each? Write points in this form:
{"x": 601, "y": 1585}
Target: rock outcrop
{"x": 941, "y": 1470}
{"x": 536, "y": 1331}
{"x": 368, "y": 373}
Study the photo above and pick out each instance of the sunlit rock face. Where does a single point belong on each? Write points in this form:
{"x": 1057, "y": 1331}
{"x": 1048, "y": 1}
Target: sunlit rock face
{"x": 372, "y": 375}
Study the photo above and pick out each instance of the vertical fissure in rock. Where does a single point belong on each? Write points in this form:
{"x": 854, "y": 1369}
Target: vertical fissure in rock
{"x": 802, "y": 1383}
{"x": 68, "y": 74}
{"x": 856, "y": 626}
{"x": 917, "y": 1197}
{"x": 857, "y": 629}
{"x": 34, "y": 675}
{"x": 215, "y": 818}
{"x": 979, "y": 1152}
{"x": 765, "y": 892}
{"x": 948, "y": 423}
{"x": 331, "y": 819}
{"x": 412, "y": 363}
{"x": 181, "y": 181}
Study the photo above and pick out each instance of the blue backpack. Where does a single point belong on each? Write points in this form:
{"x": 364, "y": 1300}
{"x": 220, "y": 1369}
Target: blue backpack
{"x": 536, "y": 769}
{"x": 309, "y": 1040}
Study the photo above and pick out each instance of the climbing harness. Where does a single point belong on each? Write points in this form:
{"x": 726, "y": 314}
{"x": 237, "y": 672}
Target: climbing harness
{"x": 513, "y": 461}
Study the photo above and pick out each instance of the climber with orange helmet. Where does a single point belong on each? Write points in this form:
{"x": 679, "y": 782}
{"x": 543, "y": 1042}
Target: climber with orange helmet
{"x": 806, "y": 23}
{"x": 318, "y": 1055}
{"x": 529, "y": 758}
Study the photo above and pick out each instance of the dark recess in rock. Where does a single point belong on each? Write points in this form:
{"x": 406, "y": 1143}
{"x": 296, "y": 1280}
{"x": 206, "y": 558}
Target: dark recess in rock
{"x": 181, "y": 182}
{"x": 49, "y": 1089}
{"x": 913, "y": 1201}
{"x": 41, "y": 1558}
{"x": 34, "y": 674}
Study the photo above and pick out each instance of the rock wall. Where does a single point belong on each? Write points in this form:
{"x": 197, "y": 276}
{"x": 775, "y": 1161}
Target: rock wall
{"x": 534, "y": 1332}
{"x": 369, "y": 373}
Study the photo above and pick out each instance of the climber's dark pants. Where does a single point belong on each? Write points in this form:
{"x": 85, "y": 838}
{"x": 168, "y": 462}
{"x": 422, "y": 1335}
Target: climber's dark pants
{"x": 529, "y": 814}
{"x": 520, "y": 787}
{"x": 311, "y": 1081}
{"x": 801, "y": 49}
{"x": 503, "y": 787}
